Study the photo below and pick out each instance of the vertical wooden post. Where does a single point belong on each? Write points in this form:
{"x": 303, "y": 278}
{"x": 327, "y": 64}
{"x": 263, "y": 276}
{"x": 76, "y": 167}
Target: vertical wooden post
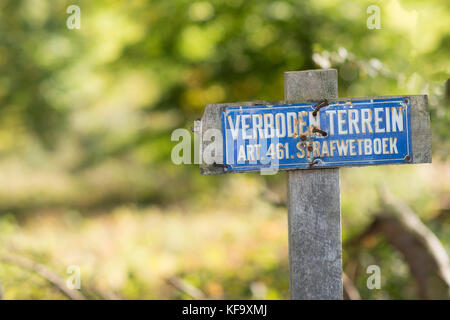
{"x": 314, "y": 215}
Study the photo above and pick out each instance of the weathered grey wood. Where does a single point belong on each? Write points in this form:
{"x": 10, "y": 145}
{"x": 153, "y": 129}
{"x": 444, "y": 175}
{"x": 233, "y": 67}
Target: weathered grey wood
{"x": 211, "y": 120}
{"x": 420, "y": 130}
{"x": 314, "y": 215}
{"x": 420, "y": 123}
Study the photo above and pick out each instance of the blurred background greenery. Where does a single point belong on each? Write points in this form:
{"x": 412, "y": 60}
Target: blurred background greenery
{"x": 85, "y": 122}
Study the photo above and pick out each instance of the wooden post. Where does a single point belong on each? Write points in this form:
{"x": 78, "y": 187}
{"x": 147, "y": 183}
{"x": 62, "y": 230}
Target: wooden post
{"x": 314, "y": 215}
{"x": 315, "y": 248}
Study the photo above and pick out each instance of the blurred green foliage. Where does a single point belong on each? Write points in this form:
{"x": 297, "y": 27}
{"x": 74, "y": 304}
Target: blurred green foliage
{"x": 86, "y": 117}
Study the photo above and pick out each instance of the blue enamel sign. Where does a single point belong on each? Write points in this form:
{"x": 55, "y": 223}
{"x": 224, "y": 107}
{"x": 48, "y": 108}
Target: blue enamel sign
{"x": 305, "y": 135}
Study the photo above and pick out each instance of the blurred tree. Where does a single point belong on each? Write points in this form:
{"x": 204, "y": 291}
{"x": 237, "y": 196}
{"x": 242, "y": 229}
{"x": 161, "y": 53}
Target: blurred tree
{"x": 86, "y": 114}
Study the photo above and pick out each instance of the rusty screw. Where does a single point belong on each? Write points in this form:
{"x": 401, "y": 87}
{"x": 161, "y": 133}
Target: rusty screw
{"x": 320, "y": 105}
{"x": 312, "y": 163}
{"x": 303, "y": 137}
{"x": 220, "y": 165}
{"x": 323, "y": 133}
{"x": 407, "y": 158}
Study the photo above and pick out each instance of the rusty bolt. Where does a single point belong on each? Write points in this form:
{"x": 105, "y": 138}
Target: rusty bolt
{"x": 320, "y": 105}
{"x": 310, "y": 148}
{"x": 323, "y": 133}
{"x": 408, "y": 158}
{"x": 220, "y": 165}
{"x": 303, "y": 137}
{"x": 312, "y": 163}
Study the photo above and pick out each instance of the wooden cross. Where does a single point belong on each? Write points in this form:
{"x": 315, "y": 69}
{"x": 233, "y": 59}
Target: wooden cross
{"x": 313, "y": 133}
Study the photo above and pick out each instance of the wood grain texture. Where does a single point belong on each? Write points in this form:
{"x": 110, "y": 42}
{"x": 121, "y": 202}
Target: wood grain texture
{"x": 420, "y": 129}
{"x": 314, "y": 215}
{"x": 315, "y": 249}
